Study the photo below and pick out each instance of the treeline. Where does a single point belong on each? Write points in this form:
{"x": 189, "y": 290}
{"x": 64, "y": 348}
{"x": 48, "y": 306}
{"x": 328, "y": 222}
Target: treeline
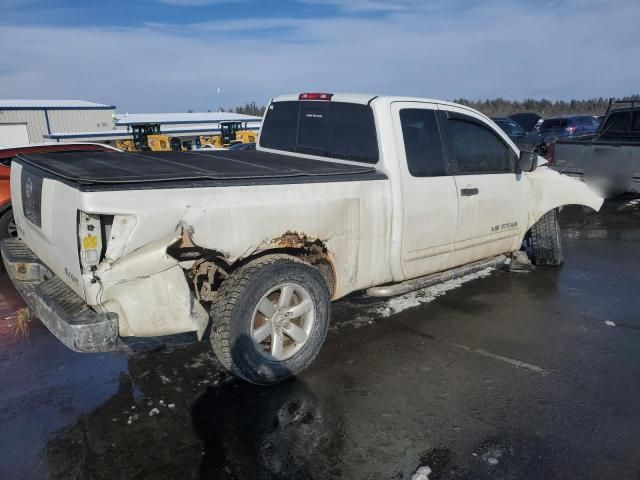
{"x": 247, "y": 109}
{"x": 500, "y": 107}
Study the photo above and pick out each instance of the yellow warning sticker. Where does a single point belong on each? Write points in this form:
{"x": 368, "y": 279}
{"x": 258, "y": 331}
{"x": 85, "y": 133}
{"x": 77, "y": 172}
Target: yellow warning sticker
{"x": 89, "y": 242}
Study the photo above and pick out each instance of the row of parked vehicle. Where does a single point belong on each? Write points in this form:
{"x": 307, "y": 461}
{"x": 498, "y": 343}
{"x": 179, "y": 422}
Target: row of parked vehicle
{"x": 604, "y": 151}
{"x": 529, "y": 130}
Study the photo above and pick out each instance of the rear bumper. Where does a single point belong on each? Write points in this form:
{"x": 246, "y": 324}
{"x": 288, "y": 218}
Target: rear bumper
{"x": 62, "y": 311}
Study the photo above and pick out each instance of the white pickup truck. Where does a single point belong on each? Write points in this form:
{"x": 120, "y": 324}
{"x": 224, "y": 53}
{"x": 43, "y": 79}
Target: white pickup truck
{"x": 344, "y": 193}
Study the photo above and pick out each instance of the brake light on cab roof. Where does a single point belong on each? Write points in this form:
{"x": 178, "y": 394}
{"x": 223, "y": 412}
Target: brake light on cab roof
{"x": 315, "y": 96}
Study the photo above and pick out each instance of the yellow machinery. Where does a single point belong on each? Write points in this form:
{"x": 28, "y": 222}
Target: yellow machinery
{"x": 246, "y": 136}
{"x": 159, "y": 143}
{"x": 230, "y": 134}
{"x": 126, "y": 145}
{"x": 147, "y": 137}
{"x": 213, "y": 140}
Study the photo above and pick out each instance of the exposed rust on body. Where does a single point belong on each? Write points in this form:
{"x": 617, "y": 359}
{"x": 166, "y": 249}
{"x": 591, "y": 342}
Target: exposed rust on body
{"x": 290, "y": 239}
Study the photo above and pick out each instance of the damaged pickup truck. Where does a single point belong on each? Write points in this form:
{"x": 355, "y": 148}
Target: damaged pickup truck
{"x": 344, "y": 193}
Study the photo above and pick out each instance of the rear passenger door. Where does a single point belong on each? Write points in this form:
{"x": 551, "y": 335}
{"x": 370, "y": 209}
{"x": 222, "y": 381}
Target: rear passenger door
{"x": 429, "y": 199}
{"x": 490, "y": 194}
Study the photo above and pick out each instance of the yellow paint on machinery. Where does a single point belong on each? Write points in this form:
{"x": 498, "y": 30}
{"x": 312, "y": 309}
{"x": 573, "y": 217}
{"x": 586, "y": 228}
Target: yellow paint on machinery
{"x": 159, "y": 143}
{"x": 126, "y": 145}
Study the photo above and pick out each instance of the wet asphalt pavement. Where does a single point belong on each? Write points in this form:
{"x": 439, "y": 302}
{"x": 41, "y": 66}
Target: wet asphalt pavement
{"x": 508, "y": 376}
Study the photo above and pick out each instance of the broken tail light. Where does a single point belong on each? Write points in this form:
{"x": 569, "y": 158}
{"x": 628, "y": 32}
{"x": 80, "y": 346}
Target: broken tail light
{"x": 89, "y": 240}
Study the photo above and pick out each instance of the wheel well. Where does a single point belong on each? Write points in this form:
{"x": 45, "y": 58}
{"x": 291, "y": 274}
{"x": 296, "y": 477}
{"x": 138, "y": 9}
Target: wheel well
{"x": 317, "y": 258}
{"x": 209, "y": 268}
{"x": 5, "y": 208}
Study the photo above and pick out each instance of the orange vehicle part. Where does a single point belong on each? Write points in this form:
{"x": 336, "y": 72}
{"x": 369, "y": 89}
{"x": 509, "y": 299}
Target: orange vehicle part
{"x": 5, "y": 190}
{"x": 7, "y": 225}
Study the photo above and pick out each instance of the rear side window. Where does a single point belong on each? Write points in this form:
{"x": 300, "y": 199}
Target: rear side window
{"x": 554, "y": 123}
{"x": 338, "y": 130}
{"x": 422, "y": 143}
{"x": 280, "y": 127}
{"x": 618, "y": 122}
{"x": 475, "y": 149}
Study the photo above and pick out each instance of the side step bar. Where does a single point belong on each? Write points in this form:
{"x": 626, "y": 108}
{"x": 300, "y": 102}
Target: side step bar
{"x": 435, "y": 278}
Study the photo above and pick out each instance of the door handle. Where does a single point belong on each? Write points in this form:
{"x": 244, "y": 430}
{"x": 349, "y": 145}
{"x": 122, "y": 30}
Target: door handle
{"x": 468, "y": 192}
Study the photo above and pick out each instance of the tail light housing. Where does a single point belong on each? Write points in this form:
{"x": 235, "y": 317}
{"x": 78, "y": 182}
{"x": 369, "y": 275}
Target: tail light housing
{"x": 315, "y": 96}
{"x": 102, "y": 237}
{"x": 90, "y": 240}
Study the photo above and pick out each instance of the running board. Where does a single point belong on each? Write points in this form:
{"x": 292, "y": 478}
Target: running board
{"x": 435, "y": 278}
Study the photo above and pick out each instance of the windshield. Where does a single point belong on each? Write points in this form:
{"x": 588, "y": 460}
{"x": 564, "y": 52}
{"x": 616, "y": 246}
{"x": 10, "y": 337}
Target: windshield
{"x": 510, "y": 127}
{"x": 554, "y": 123}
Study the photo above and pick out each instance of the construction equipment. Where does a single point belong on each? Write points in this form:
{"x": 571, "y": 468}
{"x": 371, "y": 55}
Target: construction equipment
{"x": 126, "y": 145}
{"x": 147, "y": 137}
{"x": 141, "y": 133}
{"x": 230, "y": 134}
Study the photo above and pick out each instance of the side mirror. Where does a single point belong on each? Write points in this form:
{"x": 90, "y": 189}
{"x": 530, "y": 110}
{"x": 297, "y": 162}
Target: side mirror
{"x": 527, "y": 162}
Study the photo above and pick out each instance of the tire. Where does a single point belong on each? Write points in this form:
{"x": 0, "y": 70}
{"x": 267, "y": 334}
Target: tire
{"x": 546, "y": 242}
{"x": 7, "y": 225}
{"x": 238, "y": 323}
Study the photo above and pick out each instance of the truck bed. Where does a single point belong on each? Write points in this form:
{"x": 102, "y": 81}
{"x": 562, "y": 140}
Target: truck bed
{"x": 91, "y": 171}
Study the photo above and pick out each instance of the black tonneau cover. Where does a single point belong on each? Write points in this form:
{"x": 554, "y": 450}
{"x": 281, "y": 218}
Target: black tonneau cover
{"x": 134, "y": 168}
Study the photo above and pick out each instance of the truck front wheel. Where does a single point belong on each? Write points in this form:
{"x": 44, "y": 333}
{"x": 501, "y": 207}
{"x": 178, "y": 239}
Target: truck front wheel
{"x": 270, "y": 318}
{"x": 546, "y": 242}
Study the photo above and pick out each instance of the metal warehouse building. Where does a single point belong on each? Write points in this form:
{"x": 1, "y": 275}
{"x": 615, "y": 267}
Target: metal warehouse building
{"x": 186, "y": 126}
{"x": 33, "y": 121}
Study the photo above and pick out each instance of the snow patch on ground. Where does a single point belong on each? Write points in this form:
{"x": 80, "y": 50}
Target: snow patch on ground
{"x": 414, "y": 299}
{"x": 630, "y": 204}
{"x": 422, "y": 473}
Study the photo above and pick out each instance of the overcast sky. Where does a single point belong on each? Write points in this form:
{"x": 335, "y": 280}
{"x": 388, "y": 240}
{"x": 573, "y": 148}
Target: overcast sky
{"x": 174, "y": 55}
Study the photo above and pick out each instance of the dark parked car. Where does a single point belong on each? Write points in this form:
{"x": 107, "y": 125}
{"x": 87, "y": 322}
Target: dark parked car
{"x": 529, "y": 142}
{"x": 526, "y": 120}
{"x": 570, "y": 126}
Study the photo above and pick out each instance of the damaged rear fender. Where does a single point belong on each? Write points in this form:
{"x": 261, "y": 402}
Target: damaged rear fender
{"x": 149, "y": 291}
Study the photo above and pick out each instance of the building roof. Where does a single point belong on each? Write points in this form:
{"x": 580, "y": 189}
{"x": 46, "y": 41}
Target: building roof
{"x": 31, "y": 104}
{"x": 124, "y": 119}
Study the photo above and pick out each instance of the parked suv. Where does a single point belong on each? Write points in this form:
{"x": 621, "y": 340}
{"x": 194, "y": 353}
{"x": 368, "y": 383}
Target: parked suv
{"x": 560, "y": 127}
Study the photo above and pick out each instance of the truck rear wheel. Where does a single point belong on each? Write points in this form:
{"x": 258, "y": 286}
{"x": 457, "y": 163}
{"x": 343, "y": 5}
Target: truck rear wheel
{"x": 546, "y": 242}
{"x": 270, "y": 318}
{"x": 8, "y": 225}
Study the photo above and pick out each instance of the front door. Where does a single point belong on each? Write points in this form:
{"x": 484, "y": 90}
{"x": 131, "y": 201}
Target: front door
{"x": 490, "y": 194}
{"x": 429, "y": 199}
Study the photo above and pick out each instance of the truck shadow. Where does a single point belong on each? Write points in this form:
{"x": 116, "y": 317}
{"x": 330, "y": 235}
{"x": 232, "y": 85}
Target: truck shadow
{"x": 177, "y": 414}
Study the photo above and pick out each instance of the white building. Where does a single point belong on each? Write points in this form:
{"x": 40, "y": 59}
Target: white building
{"x": 33, "y": 121}
{"x": 36, "y": 121}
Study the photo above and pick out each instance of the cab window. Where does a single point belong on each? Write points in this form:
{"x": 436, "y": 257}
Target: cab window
{"x": 474, "y": 148}
{"x": 422, "y": 143}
